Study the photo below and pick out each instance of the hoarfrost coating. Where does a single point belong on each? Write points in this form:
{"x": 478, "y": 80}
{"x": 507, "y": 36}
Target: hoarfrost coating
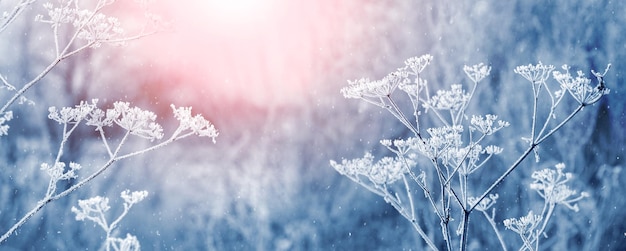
{"x": 452, "y": 152}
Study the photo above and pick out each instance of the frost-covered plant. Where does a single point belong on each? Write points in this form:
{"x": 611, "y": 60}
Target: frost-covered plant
{"x": 95, "y": 209}
{"x": 455, "y": 150}
{"x": 88, "y": 27}
{"x": 133, "y": 120}
{"x": 551, "y": 186}
{"x": 4, "y": 128}
{"x": 77, "y": 26}
{"x": 526, "y": 227}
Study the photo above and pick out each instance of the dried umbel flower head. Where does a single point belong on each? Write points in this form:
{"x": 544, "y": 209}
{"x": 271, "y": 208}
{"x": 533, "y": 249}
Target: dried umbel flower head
{"x": 71, "y": 115}
{"x": 525, "y": 225}
{"x": 477, "y": 72}
{"x": 580, "y": 86}
{"x": 58, "y": 171}
{"x": 417, "y": 64}
{"x": 441, "y": 140}
{"x": 91, "y": 209}
{"x": 97, "y": 28}
{"x": 385, "y": 171}
{"x": 197, "y": 124}
{"x": 485, "y": 125}
{"x": 354, "y": 167}
{"x": 95, "y": 209}
{"x": 485, "y": 203}
{"x": 137, "y": 121}
{"x": 364, "y": 88}
{"x": 134, "y": 197}
{"x": 92, "y": 26}
{"x": 551, "y": 185}
{"x": 453, "y": 99}
{"x": 536, "y": 74}
{"x": 130, "y": 243}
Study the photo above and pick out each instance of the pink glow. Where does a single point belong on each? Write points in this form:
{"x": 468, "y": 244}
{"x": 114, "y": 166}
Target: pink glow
{"x": 263, "y": 51}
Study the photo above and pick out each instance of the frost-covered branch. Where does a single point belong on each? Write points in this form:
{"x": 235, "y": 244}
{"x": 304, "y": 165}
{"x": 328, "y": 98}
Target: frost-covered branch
{"x": 85, "y": 24}
{"x": 452, "y": 149}
{"x": 9, "y": 17}
{"x": 135, "y": 122}
{"x": 94, "y": 209}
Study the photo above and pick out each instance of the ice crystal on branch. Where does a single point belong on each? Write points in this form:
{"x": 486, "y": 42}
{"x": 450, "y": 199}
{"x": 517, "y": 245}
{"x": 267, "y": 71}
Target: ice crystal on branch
{"x": 58, "y": 173}
{"x": 536, "y": 74}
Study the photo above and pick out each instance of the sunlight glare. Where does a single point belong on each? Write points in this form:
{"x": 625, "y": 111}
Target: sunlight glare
{"x": 237, "y": 10}
{"x": 261, "y": 51}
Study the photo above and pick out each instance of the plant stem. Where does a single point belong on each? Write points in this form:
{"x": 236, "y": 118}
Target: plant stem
{"x": 421, "y": 232}
{"x": 396, "y": 111}
{"x": 503, "y": 176}
{"x": 525, "y": 154}
{"x": 495, "y": 228}
{"x": 78, "y": 185}
{"x": 578, "y": 109}
{"x": 465, "y": 227}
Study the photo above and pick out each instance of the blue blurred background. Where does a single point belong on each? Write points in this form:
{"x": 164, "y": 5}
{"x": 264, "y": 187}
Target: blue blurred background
{"x": 271, "y": 86}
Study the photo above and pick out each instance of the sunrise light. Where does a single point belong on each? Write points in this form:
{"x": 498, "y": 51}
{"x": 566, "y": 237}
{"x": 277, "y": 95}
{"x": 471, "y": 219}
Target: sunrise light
{"x": 237, "y": 10}
{"x": 263, "y": 51}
